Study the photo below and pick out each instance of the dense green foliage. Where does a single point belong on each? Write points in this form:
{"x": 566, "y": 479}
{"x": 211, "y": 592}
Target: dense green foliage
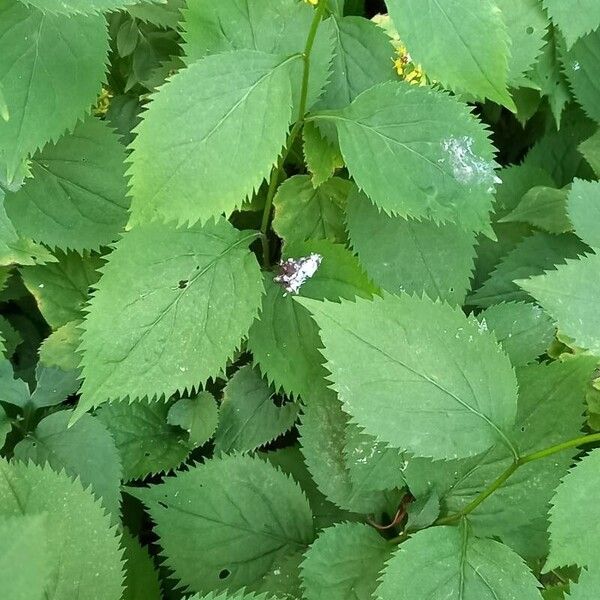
{"x": 298, "y": 299}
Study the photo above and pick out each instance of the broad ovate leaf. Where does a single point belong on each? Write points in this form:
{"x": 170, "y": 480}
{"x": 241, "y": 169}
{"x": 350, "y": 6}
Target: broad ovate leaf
{"x": 221, "y": 531}
{"x": 433, "y": 157}
{"x": 583, "y": 206}
{"x": 77, "y": 198}
{"x": 574, "y": 19}
{"x": 418, "y": 375}
{"x": 465, "y": 567}
{"x": 51, "y": 71}
{"x": 463, "y": 44}
{"x": 221, "y": 122}
{"x": 170, "y": 300}
{"x": 85, "y": 558}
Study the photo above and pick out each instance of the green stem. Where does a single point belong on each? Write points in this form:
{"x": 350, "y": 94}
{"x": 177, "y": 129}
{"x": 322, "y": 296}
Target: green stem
{"x": 277, "y": 170}
{"x": 519, "y": 462}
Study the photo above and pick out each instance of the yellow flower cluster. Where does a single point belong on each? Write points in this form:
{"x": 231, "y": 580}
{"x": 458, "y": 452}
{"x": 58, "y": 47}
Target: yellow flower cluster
{"x": 403, "y": 63}
{"x": 313, "y": 2}
{"x": 102, "y": 103}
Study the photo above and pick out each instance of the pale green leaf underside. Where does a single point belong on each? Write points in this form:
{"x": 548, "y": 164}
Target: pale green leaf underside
{"x": 25, "y": 559}
{"x": 146, "y": 442}
{"x": 590, "y": 148}
{"x": 240, "y": 595}
{"x": 227, "y": 115}
{"x": 461, "y": 43}
{"x": 86, "y": 450}
{"x": 70, "y": 7}
{"x": 411, "y": 255}
{"x": 523, "y": 330}
{"x": 574, "y": 18}
{"x": 218, "y": 531}
{"x": 344, "y": 563}
{"x": 321, "y": 155}
{"x": 170, "y": 301}
{"x": 434, "y": 159}
{"x": 248, "y": 416}
{"x": 276, "y": 27}
{"x": 572, "y": 539}
{"x": 531, "y": 256}
{"x": 466, "y": 568}
{"x": 570, "y": 296}
{"x": 430, "y": 381}
{"x": 303, "y": 211}
{"x": 77, "y": 197}
{"x": 86, "y": 559}
{"x": 583, "y": 206}
{"x": 51, "y": 72}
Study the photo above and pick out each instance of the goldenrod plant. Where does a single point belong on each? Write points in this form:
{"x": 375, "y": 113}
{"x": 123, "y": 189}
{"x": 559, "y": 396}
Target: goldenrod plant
{"x": 299, "y": 299}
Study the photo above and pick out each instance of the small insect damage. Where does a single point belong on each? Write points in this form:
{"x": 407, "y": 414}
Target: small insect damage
{"x": 294, "y": 272}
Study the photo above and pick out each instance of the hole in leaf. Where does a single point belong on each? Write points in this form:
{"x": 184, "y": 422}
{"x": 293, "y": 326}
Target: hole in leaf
{"x": 146, "y": 454}
{"x": 224, "y": 574}
{"x": 183, "y": 284}
{"x": 529, "y": 30}
{"x": 162, "y": 504}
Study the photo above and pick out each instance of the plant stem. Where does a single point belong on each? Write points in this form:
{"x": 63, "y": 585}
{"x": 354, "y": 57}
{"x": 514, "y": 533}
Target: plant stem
{"x": 277, "y": 170}
{"x": 522, "y": 460}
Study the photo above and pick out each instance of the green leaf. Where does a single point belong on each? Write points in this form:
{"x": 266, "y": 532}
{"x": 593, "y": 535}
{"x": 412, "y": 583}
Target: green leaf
{"x": 165, "y": 15}
{"x": 544, "y": 208}
{"x": 141, "y": 578}
{"x": 12, "y": 391}
{"x": 575, "y": 18}
{"x": 284, "y": 578}
{"x": 466, "y": 567}
{"x": 70, "y": 7}
{"x": 523, "y": 330}
{"x": 303, "y": 211}
{"x": 25, "y": 562}
{"x": 240, "y": 595}
{"x": 590, "y": 149}
{"x": 85, "y": 450}
{"x": 583, "y": 206}
{"x": 550, "y": 412}
{"x": 291, "y": 461}
{"x": 198, "y": 416}
{"x": 526, "y": 25}
{"x": 77, "y": 197}
{"x": 50, "y": 75}
{"x": 344, "y": 562}
{"x": 362, "y": 58}
{"x": 187, "y": 323}
{"x": 372, "y": 466}
{"x": 146, "y": 442}
{"x": 463, "y": 44}
{"x": 217, "y": 101}
{"x": 5, "y": 425}
{"x": 322, "y": 440}
{"x": 581, "y": 68}
{"x": 85, "y": 559}
{"x": 587, "y": 585}
{"x": 61, "y": 289}
{"x": 11, "y": 338}
{"x": 59, "y": 348}
{"x": 532, "y": 256}
{"x": 249, "y": 416}
{"x": 276, "y": 27}
{"x": 418, "y": 375}
{"x": 219, "y": 532}
{"x": 284, "y": 340}
{"x": 53, "y": 386}
{"x": 433, "y": 157}
{"x": 572, "y": 540}
{"x": 411, "y": 255}
{"x": 15, "y": 249}
{"x": 321, "y": 155}
{"x": 570, "y": 295}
